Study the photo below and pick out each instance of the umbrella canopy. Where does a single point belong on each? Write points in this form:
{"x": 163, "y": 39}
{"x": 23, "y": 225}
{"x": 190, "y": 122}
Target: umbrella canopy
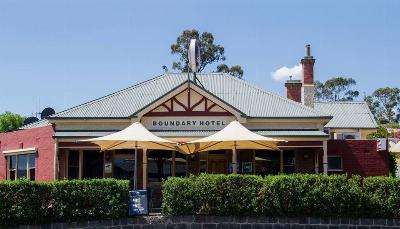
{"x": 394, "y": 148}
{"x": 133, "y": 137}
{"x": 233, "y": 136}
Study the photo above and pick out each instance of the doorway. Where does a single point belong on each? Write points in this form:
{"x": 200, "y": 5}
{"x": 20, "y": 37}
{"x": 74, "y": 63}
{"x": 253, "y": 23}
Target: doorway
{"x": 93, "y": 162}
{"x": 217, "y": 166}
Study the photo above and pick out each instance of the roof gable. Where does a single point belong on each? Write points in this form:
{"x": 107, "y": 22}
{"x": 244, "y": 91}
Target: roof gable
{"x": 250, "y": 100}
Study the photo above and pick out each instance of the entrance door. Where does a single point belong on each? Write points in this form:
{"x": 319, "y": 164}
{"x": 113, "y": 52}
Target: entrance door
{"x": 217, "y": 166}
{"x": 92, "y": 164}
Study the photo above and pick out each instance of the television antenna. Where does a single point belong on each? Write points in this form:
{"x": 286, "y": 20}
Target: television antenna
{"x": 194, "y": 59}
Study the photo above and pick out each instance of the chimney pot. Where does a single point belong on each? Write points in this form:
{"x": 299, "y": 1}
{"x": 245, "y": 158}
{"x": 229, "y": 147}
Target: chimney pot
{"x": 308, "y": 50}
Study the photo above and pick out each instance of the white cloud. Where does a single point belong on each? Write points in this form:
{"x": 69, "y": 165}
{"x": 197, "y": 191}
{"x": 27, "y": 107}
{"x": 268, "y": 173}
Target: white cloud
{"x": 284, "y": 72}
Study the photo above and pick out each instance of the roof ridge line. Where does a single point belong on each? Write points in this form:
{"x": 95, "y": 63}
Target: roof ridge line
{"x": 276, "y": 95}
{"x": 333, "y": 102}
{"x": 107, "y": 96}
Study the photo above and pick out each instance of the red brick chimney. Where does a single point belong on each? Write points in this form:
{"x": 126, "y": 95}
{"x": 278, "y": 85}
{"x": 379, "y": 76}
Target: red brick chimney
{"x": 293, "y": 89}
{"x": 308, "y": 78}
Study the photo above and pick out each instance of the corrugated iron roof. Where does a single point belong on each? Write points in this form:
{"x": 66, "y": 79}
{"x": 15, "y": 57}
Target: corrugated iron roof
{"x": 348, "y": 114}
{"x": 40, "y": 123}
{"x": 247, "y": 98}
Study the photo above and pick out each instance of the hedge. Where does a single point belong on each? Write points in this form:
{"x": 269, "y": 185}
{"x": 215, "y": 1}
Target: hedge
{"x": 299, "y": 195}
{"x": 26, "y": 202}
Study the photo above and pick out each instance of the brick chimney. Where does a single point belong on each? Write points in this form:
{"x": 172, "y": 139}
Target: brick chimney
{"x": 307, "y": 91}
{"x": 293, "y": 89}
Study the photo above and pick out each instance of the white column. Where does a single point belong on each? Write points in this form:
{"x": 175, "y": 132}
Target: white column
{"x": 135, "y": 180}
{"x": 144, "y": 169}
{"x": 234, "y": 160}
{"x": 325, "y": 157}
{"x": 56, "y": 164}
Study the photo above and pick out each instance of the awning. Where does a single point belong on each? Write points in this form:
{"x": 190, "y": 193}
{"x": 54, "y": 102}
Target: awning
{"x": 194, "y": 133}
{"x": 19, "y": 151}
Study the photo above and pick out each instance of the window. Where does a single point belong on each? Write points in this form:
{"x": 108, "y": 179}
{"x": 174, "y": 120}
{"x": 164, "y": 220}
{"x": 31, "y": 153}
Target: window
{"x": 124, "y": 166}
{"x": 335, "y": 163}
{"x": 32, "y": 166}
{"x": 12, "y": 167}
{"x": 288, "y": 162}
{"x": 73, "y": 164}
{"x": 22, "y": 166}
{"x": 347, "y": 136}
{"x": 159, "y": 165}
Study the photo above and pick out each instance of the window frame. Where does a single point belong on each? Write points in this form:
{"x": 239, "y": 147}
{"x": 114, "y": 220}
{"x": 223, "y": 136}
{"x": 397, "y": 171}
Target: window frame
{"x": 29, "y": 154}
{"x": 341, "y": 163}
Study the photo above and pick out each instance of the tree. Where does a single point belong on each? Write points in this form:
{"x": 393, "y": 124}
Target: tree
{"x": 384, "y": 103}
{"x": 235, "y": 70}
{"x": 10, "y": 122}
{"x": 210, "y": 53}
{"x": 336, "y": 89}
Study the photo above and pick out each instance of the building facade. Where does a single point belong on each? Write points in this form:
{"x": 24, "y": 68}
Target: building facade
{"x": 321, "y": 137}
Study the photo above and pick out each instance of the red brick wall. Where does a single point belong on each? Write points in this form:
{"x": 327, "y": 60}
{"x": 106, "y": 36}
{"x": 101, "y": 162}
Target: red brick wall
{"x": 308, "y": 71}
{"x": 293, "y": 91}
{"x": 40, "y": 138}
{"x": 360, "y": 157}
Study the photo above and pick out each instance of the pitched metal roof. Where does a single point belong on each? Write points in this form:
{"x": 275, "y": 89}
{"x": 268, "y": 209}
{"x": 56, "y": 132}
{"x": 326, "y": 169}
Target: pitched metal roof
{"x": 40, "y": 123}
{"x": 348, "y": 114}
{"x": 245, "y": 97}
{"x": 196, "y": 133}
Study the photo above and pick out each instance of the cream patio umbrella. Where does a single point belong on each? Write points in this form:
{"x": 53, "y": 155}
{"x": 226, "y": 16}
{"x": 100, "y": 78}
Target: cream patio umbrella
{"x": 234, "y": 136}
{"x": 394, "y": 148}
{"x": 134, "y": 136}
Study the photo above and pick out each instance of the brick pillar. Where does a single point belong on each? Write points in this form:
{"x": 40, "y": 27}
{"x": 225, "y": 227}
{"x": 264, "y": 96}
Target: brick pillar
{"x": 293, "y": 90}
{"x": 308, "y": 78}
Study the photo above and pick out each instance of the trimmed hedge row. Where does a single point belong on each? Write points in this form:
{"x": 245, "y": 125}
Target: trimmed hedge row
{"x": 26, "y": 202}
{"x": 284, "y": 195}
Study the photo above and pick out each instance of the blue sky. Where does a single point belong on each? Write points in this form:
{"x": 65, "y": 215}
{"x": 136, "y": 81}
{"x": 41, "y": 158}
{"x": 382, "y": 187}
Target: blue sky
{"x": 63, "y": 53}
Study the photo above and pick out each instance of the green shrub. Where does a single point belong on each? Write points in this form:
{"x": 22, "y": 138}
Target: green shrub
{"x": 284, "y": 195}
{"x": 382, "y": 196}
{"x": 310, "y": 195}
{"x": 211, "y": 195}
{"x": 24, "y": 202}
{"x": 27, "y": 202}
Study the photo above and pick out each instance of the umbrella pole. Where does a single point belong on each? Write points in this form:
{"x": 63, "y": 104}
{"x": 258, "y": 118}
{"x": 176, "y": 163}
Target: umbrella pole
{"x": 135, "y": 175}
{"x": 234, "y": 158}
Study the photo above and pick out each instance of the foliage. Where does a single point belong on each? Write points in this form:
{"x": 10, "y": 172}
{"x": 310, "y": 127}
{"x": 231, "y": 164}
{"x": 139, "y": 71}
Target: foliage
{"x": 27, "y": 202}
{"x": 10, "y": 122}
{"x": 210, "y": 53}
{"x": 381, "y": 132}
{"x": 336, "y": 89}
{"x": 384, "y": 103}
{"x": 235, "y": 70}
{"x": 283, "y": 195}
{"x": 382, "y": 196}
{"x": 211, "y": 195}
{"x": 392, "y": 164}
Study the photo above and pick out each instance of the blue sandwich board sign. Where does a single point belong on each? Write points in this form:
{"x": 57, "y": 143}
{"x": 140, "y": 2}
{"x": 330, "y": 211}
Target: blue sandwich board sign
{"x": 138, "y": 203}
